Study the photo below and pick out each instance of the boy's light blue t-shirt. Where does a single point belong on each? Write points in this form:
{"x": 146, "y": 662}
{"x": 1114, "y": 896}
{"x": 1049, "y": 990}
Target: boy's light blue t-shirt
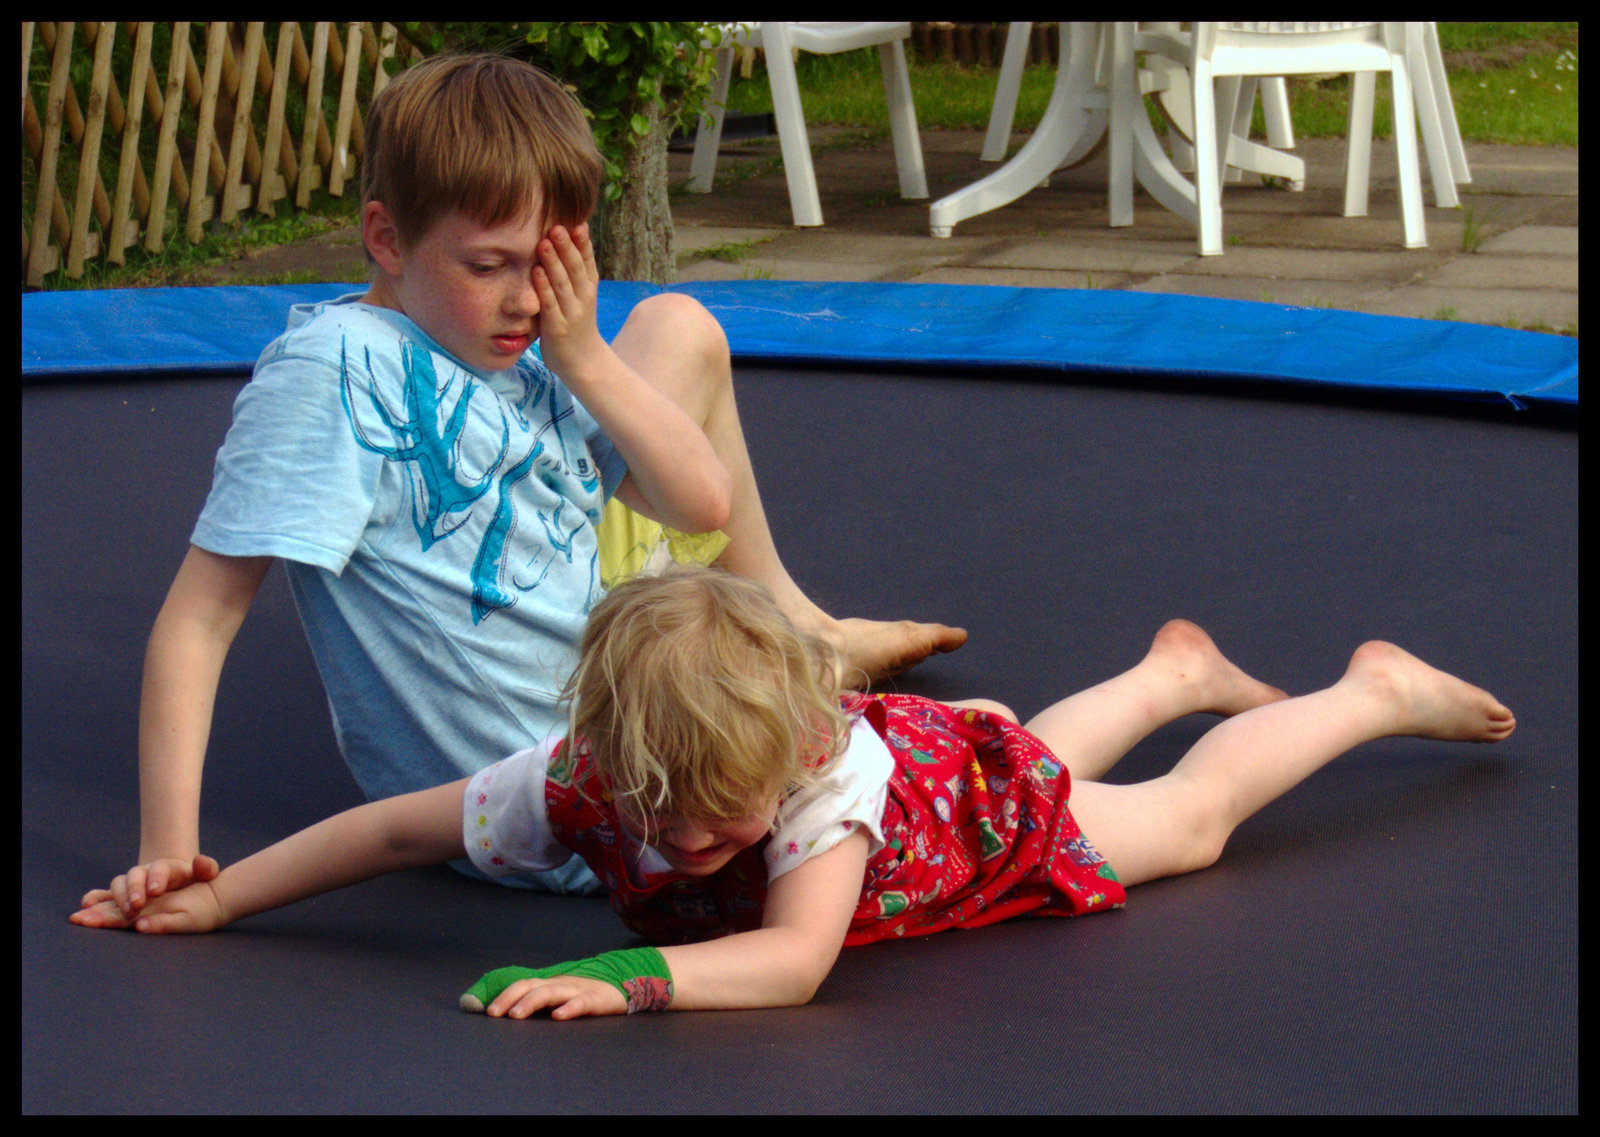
{"x": 438, "y": 529}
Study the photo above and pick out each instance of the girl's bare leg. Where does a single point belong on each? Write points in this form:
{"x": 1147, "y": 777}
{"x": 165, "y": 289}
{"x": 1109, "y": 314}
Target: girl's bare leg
{"x": 1180, "y": 822}
{"x": 678, "y": 346}
{"x": 1182, "y": 674}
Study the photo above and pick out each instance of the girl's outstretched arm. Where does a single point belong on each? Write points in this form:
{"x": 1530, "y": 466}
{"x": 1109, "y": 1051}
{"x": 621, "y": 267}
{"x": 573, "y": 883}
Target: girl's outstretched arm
{"x": 802, "y": 931}
{"x": 803, "y": 928}
{"x": 380, "y": 837}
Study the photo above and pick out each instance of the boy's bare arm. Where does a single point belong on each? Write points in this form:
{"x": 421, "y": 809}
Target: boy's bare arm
{"x": 680, "y": 480}
{"x": 408, "y": 831}
{"x": 203, "y": 610}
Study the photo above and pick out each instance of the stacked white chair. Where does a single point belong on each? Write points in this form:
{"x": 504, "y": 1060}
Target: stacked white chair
{"x": 779, "y": 41}
{"x": 1436, "y": 114}
{"x": 1219, "y": 56}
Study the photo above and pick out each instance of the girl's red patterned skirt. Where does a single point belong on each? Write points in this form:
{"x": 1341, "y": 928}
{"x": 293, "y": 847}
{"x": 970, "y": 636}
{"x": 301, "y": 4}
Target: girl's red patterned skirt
{"x": 977, "y": 826}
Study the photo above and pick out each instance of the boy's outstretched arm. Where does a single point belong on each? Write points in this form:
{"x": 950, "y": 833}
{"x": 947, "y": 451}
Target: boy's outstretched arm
{"x": 407, "y": 831}
{"x": 208, "y": 601}
{"x": 807, "y": 915}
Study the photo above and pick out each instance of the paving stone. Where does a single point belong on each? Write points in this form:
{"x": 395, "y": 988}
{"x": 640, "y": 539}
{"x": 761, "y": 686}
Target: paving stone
{"x": 1087, "y": 256}
{"x": 1380, "y": 231}
{"x": 1539, "y": 240}
{"x": 1506, "y": 273}
{"x": 767, "y": 268}
{"x": 1316, "y": 264}
{"x": 850, "y": 248}
{"x": 1548, "y": 310}
{"x": 1337, "y": 294}
{"x": 693, "y": 238}
{"x": 1023, "y": 278}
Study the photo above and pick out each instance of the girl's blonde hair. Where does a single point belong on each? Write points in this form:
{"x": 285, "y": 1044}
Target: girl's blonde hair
{"x": 484, "y": 135}
{"x": 699, "y": 699}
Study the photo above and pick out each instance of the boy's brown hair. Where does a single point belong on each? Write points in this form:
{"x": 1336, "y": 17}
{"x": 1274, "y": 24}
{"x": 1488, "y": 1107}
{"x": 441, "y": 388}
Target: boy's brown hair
{"x": 482, "y": 135}
{"x": 699, "y": 699}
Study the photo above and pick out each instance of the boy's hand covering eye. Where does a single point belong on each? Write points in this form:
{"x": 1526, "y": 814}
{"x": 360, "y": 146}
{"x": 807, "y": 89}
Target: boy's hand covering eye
{"x": 568, "y": 283}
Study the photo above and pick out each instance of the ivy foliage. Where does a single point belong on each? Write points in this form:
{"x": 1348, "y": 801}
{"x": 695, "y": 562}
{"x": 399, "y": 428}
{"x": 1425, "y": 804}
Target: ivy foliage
{"x": 625, "y": 74}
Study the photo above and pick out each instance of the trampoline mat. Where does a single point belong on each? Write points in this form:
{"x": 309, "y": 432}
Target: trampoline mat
{"x": 1397, "y": 934}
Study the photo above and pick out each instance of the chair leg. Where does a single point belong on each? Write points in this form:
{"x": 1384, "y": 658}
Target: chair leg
{"x": 1440, "y": 84}
{"x": 1244, "y": 109}
{"x": 1226, "y": 92}
{"x": 1154, "y": 170}
{"x": 1430, "y": 121}
{"x": 1433, "y": 145}
{"x": 1175, "y": 102}
{"x": 1275, "y": 109}
{"x": 1004, "y": 112}
{"x": 708, "y": 136}
{"x": 1208, "y": 187}
{"x": 1246, "y": 155}
{"x": 792, "y": 139}
{"x": 903, "y": 120}
{"x": 1358, "y": 143}
{"x": 1405, "y": 142}
{"x": 1125, "y": 102}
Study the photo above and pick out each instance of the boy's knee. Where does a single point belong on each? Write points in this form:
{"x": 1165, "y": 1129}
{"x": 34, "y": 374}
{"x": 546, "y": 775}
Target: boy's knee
{"x": 680, "y": 348}
{"x": 685, "y": 321}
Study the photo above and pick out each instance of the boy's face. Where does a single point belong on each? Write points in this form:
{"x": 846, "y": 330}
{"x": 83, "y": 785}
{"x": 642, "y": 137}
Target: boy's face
{"x": 467, "y": 285}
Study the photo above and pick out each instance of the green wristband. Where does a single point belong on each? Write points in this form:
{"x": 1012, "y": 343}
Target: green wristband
{"x": 641, "y": 974}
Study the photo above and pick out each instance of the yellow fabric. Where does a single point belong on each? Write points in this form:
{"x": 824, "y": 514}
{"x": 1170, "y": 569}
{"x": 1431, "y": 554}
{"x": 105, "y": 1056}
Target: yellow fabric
{"x": 630, "y": 543}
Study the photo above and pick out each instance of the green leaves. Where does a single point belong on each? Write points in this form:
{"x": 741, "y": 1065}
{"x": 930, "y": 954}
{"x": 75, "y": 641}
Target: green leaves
{"x": 618, "y": 71}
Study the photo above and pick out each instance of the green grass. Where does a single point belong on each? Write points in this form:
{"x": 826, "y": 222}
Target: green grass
{"x": 1511, "y": 83}
{"x": 730, "y": 252}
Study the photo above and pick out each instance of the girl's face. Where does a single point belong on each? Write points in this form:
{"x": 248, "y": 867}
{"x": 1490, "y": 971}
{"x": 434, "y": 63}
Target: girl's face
{"x": 700, "y": 848}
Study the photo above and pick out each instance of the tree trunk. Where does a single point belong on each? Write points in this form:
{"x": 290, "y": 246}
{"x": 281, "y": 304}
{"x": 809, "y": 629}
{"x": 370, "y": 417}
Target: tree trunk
{"x": 633, "y": 235}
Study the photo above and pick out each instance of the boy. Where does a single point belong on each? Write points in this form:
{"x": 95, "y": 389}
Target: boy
{"x": 434, "y": 487}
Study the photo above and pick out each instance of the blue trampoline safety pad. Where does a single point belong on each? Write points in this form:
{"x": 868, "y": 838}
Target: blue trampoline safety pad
{"x": 1190, "y": 340}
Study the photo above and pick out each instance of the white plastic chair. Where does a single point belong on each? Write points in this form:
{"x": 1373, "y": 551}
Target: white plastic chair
{"x": 1436, "y": 119}
{"x": 1218, "y": 56}
{"x": 778, "y": 41}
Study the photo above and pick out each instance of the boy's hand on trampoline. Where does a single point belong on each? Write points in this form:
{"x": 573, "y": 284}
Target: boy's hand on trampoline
{"x": 568, "y": 283}
{"x": 132, "y": 893}
{"x": 565, "y": 996}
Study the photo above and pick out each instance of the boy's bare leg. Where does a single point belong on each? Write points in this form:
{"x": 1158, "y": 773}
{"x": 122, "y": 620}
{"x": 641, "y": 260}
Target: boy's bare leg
{"x": 1180, "y": 822}
{"x": 678, "y": 346}
{"x": 1182, "y": 674}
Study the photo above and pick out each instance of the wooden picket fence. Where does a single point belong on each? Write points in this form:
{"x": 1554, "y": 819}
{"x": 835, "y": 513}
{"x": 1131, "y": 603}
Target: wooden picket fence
{"x": 981, "y": 45}
{"x": 248, "y": 119}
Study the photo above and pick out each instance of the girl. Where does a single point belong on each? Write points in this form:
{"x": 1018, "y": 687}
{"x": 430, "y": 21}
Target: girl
{"x": 750, "y": 819}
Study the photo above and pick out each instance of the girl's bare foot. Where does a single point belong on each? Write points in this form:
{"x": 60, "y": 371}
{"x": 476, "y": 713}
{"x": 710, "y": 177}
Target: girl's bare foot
{"x": 1216, "y": 684}
{"x": 1427, "y": 702}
